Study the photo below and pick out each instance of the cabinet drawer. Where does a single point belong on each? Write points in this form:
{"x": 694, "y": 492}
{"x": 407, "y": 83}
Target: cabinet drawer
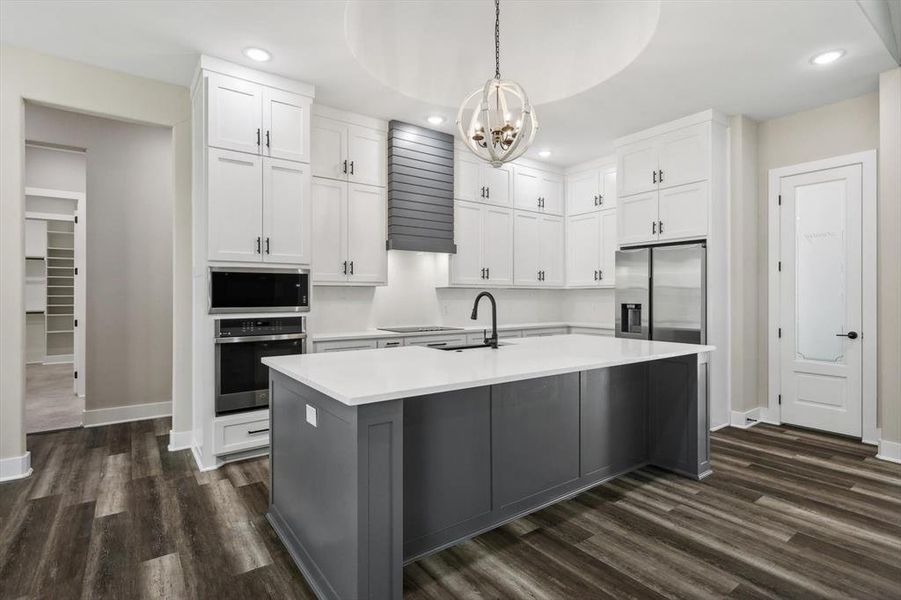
{"x": 395, "y": 343}
{"x": 239, "y": 433}
{"x": 345, "y": 345}
{"x": 436, "y": 341}
{"x": 478, "y": 338}
{"x": 543, "y": 332}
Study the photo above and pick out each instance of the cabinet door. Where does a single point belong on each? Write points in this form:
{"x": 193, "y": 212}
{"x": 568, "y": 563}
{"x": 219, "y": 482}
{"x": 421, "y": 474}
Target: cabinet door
{"x": 684, "y": 155}
{"x": 234, "y": 113}
{"x": 35, "y": 238}
{"x": 552, "y": 260}
{"x": 367, "y": 151}
{"x": 286, "y": 212}
{"x": 466, "y": 266}
{"x": 526, "y": 188}
{"x": 329, "y": 230}
{"x": 637, "y": 218}
{"x": 582, "y": 249}
{"x": 467, "y": 179}
{"x": 235, "y": 197}
{"x": 636, "y": 168}
{"x": 608, "y": 189}
{"x": 367, "y": 215}
{"x": 497, "y": 182}
{"x": 581, "y": 192}
{"x": 608, "y": 245}
{"x": 526, "y": 248}
{"x": 286, "y": 124}
{"x": 497, "y": 244}
{"x": 683, "y": 212}
{"x": 551, "y": 188}
{"x": 329, "y": 148}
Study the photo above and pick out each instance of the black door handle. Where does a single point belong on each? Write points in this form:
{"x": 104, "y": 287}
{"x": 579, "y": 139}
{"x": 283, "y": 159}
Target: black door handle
{"x": 851, "y": 335}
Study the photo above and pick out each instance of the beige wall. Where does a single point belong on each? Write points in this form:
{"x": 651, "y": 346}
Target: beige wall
{"x": 888, "y": 386}
{"x": 26, "y": 75}
{"x": 128, "y": 314}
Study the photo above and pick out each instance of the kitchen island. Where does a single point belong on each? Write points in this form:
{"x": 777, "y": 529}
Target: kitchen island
{"x": 379, "y": 457}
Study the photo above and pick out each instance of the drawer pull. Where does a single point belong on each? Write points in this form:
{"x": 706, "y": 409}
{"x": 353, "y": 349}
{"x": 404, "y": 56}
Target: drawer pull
{"x": 436, "y": 344}
{"x": 256, "y": 431}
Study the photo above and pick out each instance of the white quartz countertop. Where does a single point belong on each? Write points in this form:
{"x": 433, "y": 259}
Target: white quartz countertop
{"x": 458, "y": 329}
{"x": 366, "y": 376}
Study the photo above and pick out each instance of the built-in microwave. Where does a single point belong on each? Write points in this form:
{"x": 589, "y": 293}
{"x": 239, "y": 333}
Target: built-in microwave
{"x": 253, "y": 290}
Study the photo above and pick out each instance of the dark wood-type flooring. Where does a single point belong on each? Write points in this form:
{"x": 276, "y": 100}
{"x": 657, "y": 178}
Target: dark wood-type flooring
{"x": 110, "y": 513}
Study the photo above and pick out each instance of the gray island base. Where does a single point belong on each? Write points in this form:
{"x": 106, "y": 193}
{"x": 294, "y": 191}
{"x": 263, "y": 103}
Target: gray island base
{"x": 357, "y": 491}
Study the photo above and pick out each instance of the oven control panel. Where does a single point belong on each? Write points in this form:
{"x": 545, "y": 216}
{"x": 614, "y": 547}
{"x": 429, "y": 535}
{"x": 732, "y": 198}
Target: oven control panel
{"x": 264, "y": 326}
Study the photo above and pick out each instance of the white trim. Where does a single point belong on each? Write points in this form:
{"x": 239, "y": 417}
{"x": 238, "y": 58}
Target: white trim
{"x": 17, "y": 467}
{"x": 595, "y": 164}
{"x": 198, "y": 460}
{"x": 217, "y": 65}
{"x": 890, "y": 451}
{"x": 125, "y": 414}
{"x": 867, "y": 159}
{"x": 54, "y": 193}
{"x": 701, "y": 117}
{"x": 745, "y": 420}
{"x": 320, "y": 110}
{"x": 718, "y": 427}
{"x": 44, "y": 216}
{"x": 180, "y": 440}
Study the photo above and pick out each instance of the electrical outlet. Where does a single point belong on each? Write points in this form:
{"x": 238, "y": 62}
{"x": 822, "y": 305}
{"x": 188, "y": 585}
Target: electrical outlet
{"x": 311, "y": 416}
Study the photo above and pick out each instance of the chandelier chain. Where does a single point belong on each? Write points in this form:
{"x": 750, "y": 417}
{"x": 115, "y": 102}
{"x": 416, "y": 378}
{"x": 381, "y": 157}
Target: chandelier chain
{"x": 497, "y": 39}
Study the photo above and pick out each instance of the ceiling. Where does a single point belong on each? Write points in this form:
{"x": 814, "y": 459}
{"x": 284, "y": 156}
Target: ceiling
{"x": 595, "y": 71}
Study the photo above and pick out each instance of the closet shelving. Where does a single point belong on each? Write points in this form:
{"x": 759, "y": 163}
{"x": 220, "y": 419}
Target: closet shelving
{"x": 60, "y": 288}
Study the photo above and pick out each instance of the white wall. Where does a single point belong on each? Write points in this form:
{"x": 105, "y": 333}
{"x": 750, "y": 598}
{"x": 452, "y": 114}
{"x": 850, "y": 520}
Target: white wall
{"x": 411, "y": 298}
{"x": 129, "y": 253}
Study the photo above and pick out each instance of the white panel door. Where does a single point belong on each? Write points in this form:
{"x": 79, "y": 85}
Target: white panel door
{"x": 467, "y": 178}
{"x": 684, "y": 156}
{"x": 526, "y": 248}
{"x": 608, "y": 245}
{"x": 608, "y": 190}
{"x": 636, "y": 168}
{"x": 582, "y": 192}
{"x": 551, "y": 188}
{"x": 637, "y": 218}
{"x": 582, "y": 249}
{"x": 527, "y": 188}
{"x": 329, "y": 230}
{"x": 367, "y": 215}
{"x": 552, "y": 260}
{"x": 497, "y": 245}
{"x": 235, "y": 196}
{"x": 234, "y": 113}
{"x": 466, "y": 266}
{"x": 683, "y": 212}
{"x": 286, "y": 124}
{"x": 329, "y": 148}
{"x": 286, "y": 212}
{"x": 367, "y": 151}
{"x": 820, "y": 303}
{"x": 498, "y": 184}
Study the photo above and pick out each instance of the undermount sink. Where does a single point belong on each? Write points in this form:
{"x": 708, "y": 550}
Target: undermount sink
{"x": 461, "y": 347}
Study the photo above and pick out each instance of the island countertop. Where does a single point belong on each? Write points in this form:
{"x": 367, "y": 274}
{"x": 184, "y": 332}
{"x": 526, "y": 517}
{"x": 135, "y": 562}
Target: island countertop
{"x": 365, "y": 376}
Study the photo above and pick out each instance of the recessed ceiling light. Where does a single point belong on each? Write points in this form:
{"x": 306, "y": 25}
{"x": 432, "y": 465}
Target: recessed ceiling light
{"x": 436, "y": 120}
{"x": 257, "y": 54}
{"x": 825, "y": 58}
{"x": 544, "y": 153}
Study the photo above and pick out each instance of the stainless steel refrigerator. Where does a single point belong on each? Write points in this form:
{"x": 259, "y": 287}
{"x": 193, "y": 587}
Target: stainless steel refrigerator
{"x": 661, "y": 293}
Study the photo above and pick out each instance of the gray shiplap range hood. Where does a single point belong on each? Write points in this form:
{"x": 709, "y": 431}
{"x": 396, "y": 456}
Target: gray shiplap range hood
{"x": 420, "y": 189}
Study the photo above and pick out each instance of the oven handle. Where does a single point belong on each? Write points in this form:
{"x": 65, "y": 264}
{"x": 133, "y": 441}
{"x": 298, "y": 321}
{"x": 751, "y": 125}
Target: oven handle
{"x": 261, "y": 338}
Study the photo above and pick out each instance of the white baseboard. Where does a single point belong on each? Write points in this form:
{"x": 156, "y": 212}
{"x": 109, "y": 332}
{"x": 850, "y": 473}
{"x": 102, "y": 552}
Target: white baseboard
{"x": 17, "y": 467}
{"x": 124, "y": 414}
{"x": 890, "y": 451}
{"x": 718, "y": 427}
{"x": 180, "y": 440}
{"x": 746, "y": 419}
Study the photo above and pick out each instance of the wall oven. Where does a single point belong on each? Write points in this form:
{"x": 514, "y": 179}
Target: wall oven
{"x": 242, "y": 381}
{"x": 254, "y": 290}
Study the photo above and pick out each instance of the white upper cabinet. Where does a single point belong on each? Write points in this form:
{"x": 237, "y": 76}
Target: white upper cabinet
{"x": 592, "y": 190}
{"x": 286, "y": 125}
{"x": 682, "y": 212}
{"x": 538, "y": 249}
{"x": 349, "y": 152}
{"x": 235, "y": 196}
{"x": 477, "y": 181}
{"x": 286, "y": 212}
{"x": 35, "y": 238}
{"x": 537, "y": 190}
{"x": 484, "y": 238}
{"x": 684, "y": 156}
{"x": 349, "y": 230}
{"x": 256, "y": 119}
{"x": 498, "y": 183}
{"x": 636, "y": 168}
{"x": 552, "y": 259}
{"x": 591, "y": 249}
{"x": 637, "y": 218}
{"x": 607, "y": 193}
{"x": 608, "y": 245}
{"x": 551, "y": 188}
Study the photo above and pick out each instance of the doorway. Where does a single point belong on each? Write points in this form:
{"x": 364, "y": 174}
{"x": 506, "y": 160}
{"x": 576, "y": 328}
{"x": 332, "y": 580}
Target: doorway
{"x": 822, "y": 297}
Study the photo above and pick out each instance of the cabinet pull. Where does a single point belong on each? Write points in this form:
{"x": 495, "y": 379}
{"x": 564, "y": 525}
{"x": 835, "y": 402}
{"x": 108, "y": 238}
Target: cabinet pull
{"x": 351, "y": 267}
{"x": 595, "y": 200}
{"x": 483, "y": 191}
{"x": 258, "y": 136}
{"x": 654, "y": 178}
{"x": 601, "y": 275}
{"x": 256, "y": 431}
{"x": 487, "y": 273}
{"x": 487, "y": 192}
{"x": 267, "y": 138}
{"x": 345, "y": 167}
{"x": 259, "y": 241}
{"x": 601, "y": 200}
{"x": 345, "y": 267}
{"x": 595, "y": 274}
{"x": 436, "y": 344}
{"x": 660, "y": 226}
{"x": 654, "y": 227}
{"x": 351, "y": 167}
{"x": 660, "y": 175}
{"x": 267, "y": 245}
{"x": 539, "y": 202}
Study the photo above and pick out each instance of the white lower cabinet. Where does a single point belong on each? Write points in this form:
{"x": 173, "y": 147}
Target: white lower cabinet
{"x": 484, "y": 237}
{"x": 437, "y": 341}
{"x": 240, "y": 432}
{"x": 344, "y": 345}
{"x": 392, "y": 343}
{"x": 527, "y": 333}
{"x": 478, "y": 338}
{"x": 349, "y": 231}
{"x": 591, "y": 249}
{"x": 538, "y": 249}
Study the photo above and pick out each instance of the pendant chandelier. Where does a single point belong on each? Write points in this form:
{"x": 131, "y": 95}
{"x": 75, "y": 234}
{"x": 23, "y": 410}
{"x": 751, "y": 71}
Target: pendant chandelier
{"x": 496, "y": 121}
